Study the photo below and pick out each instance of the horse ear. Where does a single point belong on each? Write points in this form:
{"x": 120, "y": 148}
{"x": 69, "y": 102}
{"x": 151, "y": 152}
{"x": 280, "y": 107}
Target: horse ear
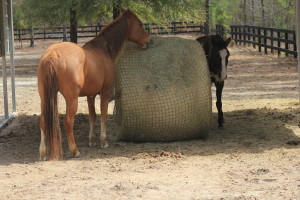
{"x": 122, "y": 10}
{"x": 228, "y": 41}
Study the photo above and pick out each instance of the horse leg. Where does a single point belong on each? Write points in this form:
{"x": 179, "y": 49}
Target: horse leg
{"x": 72, "y": 105}
{"x": 92, "y": 119}
{"x": 105, "y": 96}
{"x": 219, "y": 87}
{"x": 43, "y": 147}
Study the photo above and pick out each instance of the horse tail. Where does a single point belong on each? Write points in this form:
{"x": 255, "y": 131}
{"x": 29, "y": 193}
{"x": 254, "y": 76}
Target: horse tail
{"x": 48, "y": 83}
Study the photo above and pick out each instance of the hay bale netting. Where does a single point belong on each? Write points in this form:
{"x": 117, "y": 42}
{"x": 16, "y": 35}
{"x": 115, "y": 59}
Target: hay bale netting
{"x": 163, "y": 93}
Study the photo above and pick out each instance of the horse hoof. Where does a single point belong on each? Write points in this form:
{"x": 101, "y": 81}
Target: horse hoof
{"x": 92, "y": 144}
{"x": 92, "y": 141}
{"x": 76, "y": 154}
{"x": 104, "y": 146}
{"x": 43, "y": 158}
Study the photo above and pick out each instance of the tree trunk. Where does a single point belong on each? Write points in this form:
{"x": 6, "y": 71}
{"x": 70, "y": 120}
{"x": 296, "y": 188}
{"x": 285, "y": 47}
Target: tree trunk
{"x": 262, "y": 13}
{"x": 252, "y": 14}
{"x": 244, "y": 11}
{"x": 31, "y": 37}
{"x": 73, "y": 25}
{"x": 206, "y": 23}
{"x": 116, "y": 8}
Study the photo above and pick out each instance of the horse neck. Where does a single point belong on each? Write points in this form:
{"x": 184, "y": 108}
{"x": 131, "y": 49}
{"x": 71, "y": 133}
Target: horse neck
{"x": 111, "y": 39}
{"x": 114, "y": 36}
{"x": 207, "y": 46}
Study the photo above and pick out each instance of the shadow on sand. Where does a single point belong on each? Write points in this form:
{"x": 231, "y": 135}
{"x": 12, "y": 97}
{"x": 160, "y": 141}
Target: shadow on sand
{"x": 245, "y": 131}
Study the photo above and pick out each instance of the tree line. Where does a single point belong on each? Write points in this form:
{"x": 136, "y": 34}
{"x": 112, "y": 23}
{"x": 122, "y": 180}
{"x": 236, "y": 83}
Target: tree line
{"x": 72, "y": 13}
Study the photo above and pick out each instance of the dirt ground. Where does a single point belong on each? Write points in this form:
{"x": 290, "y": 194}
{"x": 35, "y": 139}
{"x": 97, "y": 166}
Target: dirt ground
{"x": 255, "y": 156}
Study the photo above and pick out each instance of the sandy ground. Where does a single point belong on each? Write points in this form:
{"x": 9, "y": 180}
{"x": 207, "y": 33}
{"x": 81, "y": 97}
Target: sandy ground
{"x": 255, "y": 156}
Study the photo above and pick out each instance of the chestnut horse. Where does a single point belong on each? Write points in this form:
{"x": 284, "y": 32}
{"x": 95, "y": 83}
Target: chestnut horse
{"x": 77, "y": 71}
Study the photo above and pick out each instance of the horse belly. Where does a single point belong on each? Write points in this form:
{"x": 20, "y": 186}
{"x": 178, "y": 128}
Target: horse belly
{"x": 91, "y": 87}
{"x": 98, "y": 74}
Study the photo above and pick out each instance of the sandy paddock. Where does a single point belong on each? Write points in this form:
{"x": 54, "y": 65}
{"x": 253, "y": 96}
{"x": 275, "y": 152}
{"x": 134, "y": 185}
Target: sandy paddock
{"x": 255, "y": 156}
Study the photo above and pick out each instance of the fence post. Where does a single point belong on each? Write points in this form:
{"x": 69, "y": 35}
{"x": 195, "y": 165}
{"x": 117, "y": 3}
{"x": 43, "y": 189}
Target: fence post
{"x": 265, "y": 41}
{"x": 173, "y": 29}
{"x": 286, "y": 37}
{"x": 253, "y": 37}
{"x": 235, "y": 32}
{"x": 295, "y": 45}
{"x": 240, "y": 35}
{"x": 65, "y": 34}
{"x": 259, "y": 40}
{"x": 272, "y": 40}
{"x": 31, "y": 36}
{"x": 148, "y": 27}
{"x": 19, "y": 35}
{"x": 44, "y": 31}
{"x": 278, "y": 42}
{"x": 244, "y": 34}
{"x": 248, "y": 33}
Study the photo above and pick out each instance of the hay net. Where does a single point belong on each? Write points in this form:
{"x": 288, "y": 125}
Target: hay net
{"x": 163, "y": 93}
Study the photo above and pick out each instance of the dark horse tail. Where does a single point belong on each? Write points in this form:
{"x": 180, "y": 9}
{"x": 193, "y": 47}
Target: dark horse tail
{"x": 48, "y": 88}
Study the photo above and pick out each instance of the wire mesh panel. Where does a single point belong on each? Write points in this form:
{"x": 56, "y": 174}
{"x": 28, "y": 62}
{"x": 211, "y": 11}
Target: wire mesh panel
{"x": 163, "y": 92}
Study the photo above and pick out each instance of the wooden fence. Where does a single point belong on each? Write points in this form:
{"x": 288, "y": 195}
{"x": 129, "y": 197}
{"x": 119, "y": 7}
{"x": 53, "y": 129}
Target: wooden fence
{"x": 92, "y": 31}
{"x": 54, "y": 33}
{"x": 281, "y": 40}
{"x": 270, "y": 39}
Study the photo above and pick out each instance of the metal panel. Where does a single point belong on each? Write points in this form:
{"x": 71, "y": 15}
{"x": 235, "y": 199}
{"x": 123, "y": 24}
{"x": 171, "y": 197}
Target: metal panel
{"x": 3, "y": 9}
{"x": 4, "y": 28}
{"x": 2, "y": 36}
{"x": 11, "y": 50}
{"x": 6, "y": 46}
{"x": 298, "y": 40}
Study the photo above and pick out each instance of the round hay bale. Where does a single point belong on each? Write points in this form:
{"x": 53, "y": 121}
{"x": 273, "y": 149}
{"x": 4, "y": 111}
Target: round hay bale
{"x": 163, "y": 93}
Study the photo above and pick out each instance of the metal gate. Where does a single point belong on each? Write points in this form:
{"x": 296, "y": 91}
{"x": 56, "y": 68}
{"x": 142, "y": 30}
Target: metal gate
{"x": 7, "y": 55}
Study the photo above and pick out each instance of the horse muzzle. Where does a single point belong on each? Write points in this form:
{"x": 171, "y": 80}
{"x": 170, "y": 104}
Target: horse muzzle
{"x": 147, "y": 44}
{"x": 223, "y": 76}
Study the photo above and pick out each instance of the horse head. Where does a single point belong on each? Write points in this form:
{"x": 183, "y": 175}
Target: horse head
{"x": 217, "y": 54}
{"x": 135, "y": 30}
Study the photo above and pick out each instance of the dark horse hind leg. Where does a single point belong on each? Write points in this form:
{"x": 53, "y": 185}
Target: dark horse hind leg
{"x": 219, "y": 87}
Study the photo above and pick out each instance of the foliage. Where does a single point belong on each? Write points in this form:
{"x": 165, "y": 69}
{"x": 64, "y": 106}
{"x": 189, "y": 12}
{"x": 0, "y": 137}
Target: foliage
{"x": 269, "y": 13}
{"x": 162, "y": 11}
{"x": 220, "y": 12}
{"x": 272, "y": 13}
{"x": 56, "y": 12}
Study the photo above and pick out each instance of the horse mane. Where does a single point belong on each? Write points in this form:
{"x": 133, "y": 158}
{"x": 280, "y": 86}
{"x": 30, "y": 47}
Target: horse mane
{"x": 112, "y": 36}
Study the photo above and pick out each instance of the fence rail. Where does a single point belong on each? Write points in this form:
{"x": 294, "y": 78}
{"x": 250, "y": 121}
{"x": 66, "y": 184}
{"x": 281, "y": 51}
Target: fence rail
{"x": 271, "y": 39}
{"x": 267, "y": 39}
{"x": 92, "y": 31}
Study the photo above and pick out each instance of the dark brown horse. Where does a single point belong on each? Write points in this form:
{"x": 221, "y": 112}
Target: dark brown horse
{"x": 217, "y": 56}
{"x": 82, "y": 71}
